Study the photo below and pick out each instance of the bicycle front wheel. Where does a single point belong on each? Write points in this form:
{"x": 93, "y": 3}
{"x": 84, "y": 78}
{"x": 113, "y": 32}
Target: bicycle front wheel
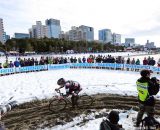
{"x": 85, "y": 101}
{"x": 57, "y": 105}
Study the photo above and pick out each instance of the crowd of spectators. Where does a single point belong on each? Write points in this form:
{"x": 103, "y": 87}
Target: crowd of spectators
{"x": 21, "y": 62}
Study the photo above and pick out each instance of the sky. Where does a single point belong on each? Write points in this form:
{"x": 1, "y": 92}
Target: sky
{"x": 139, "y": 19}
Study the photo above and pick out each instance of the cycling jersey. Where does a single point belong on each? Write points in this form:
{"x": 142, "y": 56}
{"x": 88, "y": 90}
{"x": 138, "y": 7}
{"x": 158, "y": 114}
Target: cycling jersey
{"x": 72, "y": 86}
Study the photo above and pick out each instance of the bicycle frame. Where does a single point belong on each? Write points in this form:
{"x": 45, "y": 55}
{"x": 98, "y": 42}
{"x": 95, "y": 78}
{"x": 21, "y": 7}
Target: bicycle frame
{"x": 62, "y": 96}
{"x": 63, "y": 100}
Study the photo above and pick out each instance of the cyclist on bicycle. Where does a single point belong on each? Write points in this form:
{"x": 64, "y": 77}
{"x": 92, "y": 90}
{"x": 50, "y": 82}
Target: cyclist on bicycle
{"x": 72, "y": 88}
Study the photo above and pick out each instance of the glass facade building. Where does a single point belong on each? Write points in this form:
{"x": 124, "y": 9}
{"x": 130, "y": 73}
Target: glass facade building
{"x": 54, "y": 28}
{"x": 105, "y": 35}
{"x": 21, "y": 35}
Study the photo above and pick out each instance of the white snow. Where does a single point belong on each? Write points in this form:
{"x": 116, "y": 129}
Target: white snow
{"x": 126, "y": 120}
{"x": 25, "y": 87}
{"x": 37, "y": 85}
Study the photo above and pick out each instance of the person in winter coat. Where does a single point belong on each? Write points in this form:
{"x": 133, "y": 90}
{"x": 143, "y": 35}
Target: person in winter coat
{"x": 1, "y": 66}
{"x": 147, "y": 87}
{"x": 6, "y": 65}
{"x": 17, "y": 63}
{"x": 137, "y": 62}
{"x": 145, "y": 61}
{"x": 152, "y": 62}
{"x": 158, "y": 63}
{"x": 112, "y": 122}
{"x": 11, "y": 65}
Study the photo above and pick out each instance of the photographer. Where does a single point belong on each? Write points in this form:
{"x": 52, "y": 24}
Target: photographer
{"x": 146, "y": 89}
{"x": 4, "y": 109}
{"x": 112, "y": 122}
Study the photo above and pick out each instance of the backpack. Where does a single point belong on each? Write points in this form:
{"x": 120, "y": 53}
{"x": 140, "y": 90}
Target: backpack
{"x": 149, "y": 123}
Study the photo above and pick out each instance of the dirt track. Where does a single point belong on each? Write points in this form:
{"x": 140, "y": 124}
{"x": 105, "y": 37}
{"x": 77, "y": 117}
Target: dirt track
{"x": 33, "y": 115}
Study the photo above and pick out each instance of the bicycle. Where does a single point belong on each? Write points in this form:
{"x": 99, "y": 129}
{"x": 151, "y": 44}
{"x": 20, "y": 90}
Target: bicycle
{"x": 59, "y": 103}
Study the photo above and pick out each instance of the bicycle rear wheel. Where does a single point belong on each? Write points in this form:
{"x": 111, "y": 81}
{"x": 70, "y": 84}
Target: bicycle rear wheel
{"x": 85, "y": 101}
{"x": 57, "y": 105}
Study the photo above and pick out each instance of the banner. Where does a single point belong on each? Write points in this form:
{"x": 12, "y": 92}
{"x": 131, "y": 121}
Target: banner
{"x": 58, "y": 66}
{"x": 77, "y": 65}
{"x": 7, "y": 70}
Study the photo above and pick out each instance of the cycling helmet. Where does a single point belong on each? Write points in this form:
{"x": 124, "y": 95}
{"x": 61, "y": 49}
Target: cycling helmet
{"x": 61, "y": 81}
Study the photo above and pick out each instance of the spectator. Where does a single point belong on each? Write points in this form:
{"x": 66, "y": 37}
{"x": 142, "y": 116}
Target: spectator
{"x": 128, "y": 61}
{"x": 11, "y": 65}
{"x": 145, "y": 61}
{"x": 79, "y": 60}
{"x": 36, "y": 62}
{"x": 133, "y": 61}
{"x": 152, "y": 62}
{"x": 75, "y": 60}
{"x": 137, "y": 62}
{"x": 84, "y": 59}
{"x": 17, "y": 63}
{"x": 146, "y": 89}
{"x": 0, "y": 65}
{"x": 112, "y": 122}
{"x": 71, "y": 59}
{"x": 5, "y": 64}
{"x": 158, "y": 63}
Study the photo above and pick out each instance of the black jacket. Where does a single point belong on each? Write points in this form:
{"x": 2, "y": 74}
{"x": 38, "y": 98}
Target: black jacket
{"x": 110, "y": 125}
{"x": 153, "y": 89}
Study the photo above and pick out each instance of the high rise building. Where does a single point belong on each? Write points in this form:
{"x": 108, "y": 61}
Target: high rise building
{"x": 116, "y": 38}
{"x": 88, "y": 33}
{"x": 64, "y": 35}
{"x": 6, "y": 36}
{"x": 81, "y": 33}
{"x": 21, "y": 35}
{"x": 105, "y": 35}
{"x": 150, "y": 45}
{"x": 38, "y": 30}
{"x": 129, "y": 42}
{"x": 2, "y": 33}
{"x": 54, "y": 28}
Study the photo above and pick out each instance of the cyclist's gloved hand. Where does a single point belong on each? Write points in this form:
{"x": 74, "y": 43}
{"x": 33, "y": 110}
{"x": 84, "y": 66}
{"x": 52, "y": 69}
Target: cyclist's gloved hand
{"x": 56, "y": 89}
{"x": 74, "y": 94}
{"x": 67, "y": 90}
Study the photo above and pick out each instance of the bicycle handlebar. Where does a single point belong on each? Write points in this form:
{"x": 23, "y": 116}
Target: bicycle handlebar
{"x": 59, "y": 91}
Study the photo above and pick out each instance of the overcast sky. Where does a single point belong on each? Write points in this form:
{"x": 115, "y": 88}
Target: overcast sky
{"x": 131, "y": 18}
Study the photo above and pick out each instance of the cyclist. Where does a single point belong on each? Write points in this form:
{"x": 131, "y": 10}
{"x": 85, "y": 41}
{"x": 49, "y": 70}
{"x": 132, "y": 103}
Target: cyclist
{"x": 72, "y": 88}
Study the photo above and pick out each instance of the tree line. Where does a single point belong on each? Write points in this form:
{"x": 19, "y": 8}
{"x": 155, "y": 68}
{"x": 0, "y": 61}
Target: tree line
{"x": 56, "y": 45}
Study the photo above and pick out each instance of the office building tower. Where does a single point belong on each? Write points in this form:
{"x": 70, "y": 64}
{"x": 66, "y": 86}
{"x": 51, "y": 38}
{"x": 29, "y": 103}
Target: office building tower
{"x": 54, "y": 28}
{"x": 21, "y": 35}
{"x": 105, "y": 35}
{"x": 2, "y": 33}
{"x": 129, "y": 42}
{"x": 116, "y": 38}
{"x": 81, "y": 33}
{"x": 38, "y": 30}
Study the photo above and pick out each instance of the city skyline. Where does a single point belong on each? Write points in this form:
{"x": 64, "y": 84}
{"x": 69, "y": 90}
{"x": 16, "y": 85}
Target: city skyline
{"x": 131, "y": 18}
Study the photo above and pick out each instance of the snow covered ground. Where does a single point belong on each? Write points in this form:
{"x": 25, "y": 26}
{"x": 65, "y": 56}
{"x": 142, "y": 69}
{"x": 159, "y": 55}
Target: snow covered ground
{"x": 28, "y": 86}
{"x": 25, "y": 87}
{"x": 38, "y": 85}
{"x": 126, "y": 120}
